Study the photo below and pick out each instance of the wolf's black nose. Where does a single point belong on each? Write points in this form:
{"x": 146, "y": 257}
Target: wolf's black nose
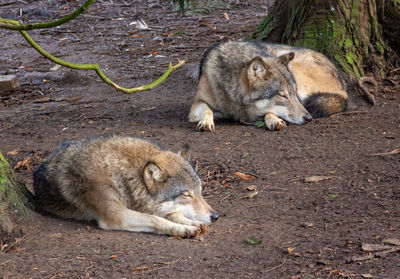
{"x": 214, "y": 216}
{"x": 307, "y": 118}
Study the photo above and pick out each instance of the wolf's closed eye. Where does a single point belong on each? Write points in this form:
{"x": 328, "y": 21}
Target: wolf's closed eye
{"x": 186, "y": 194}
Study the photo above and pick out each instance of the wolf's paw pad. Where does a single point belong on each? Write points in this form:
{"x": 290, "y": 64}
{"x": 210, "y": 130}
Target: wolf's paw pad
{"x": 205, "y": 125}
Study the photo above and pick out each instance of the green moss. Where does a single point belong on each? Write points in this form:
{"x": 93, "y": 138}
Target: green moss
{"x": 3, "y": 174}
{"x": 351, "y": 59}
{"x": 348, "y": 43}
{"x": 379, "y": 47}
{"x": 9, "y": 197}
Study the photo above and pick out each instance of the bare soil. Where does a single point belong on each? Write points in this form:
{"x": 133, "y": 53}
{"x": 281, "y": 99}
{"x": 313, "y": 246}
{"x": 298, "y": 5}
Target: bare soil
{"x": 318, "y": 191}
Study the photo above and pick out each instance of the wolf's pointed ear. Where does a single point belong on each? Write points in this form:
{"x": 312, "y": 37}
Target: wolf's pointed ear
{"x": 257, "y": 69}
{"x": 286, "y": 58}
{"x": 185, "y": 152}
{"x": 152, "y": 174}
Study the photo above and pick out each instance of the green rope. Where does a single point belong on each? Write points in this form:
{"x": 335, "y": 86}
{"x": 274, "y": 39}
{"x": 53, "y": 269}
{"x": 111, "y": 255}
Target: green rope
{"x": 15, "y": 25}
{"x": 96, "y": 68}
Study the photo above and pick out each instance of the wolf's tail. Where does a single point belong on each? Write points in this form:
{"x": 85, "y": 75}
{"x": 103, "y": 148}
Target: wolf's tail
{"x": 324, "y": 104}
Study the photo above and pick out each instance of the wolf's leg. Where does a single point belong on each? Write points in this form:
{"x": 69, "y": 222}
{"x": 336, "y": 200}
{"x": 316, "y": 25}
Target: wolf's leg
{"x": 130, "y": 220}
{"x": 178, "y": 217}
{"x": 273, "y": 122}
{"x": 200, "y": 112}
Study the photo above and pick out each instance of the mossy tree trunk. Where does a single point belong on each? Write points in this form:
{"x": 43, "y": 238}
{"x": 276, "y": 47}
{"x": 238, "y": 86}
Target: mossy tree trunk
{"x": 15, "y": 200}
{"x": 352, "y": 33}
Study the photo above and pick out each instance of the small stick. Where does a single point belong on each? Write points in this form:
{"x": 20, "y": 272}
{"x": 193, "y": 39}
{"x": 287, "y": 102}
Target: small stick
{"x": 275, "y": 267}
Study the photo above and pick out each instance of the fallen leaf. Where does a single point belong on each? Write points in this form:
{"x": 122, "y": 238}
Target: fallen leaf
{"x": 24, "y": 164}
{"x": 251, "y": 188}
{"x": 137, "y": 36}
{"x": 226, "y": 16}
{"x": 290, "y": 250}
{"x": 13, "y": 152}
{"x": 140, "y": 268}
{"x": 243, "y": 176}
{"x": 3, "y": 247}
{"x": 335, "y": 271}
{"x": 203, "y": 23}
{"x": 316, "y": 178}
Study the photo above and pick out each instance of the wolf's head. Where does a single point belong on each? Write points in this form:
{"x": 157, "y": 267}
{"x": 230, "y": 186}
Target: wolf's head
{"x": 272, "y": 88}
{"x": 176, "y": 188}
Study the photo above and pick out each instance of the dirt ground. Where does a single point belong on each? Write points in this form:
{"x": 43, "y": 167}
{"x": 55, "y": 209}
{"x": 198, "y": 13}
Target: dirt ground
{"x": 321, "y": 191}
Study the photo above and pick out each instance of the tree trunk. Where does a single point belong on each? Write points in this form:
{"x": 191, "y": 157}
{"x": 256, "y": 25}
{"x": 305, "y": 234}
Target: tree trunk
{"x": 389, "y": 12}
{"x": 348, "y": 31}
{"x": 15, "y": 200}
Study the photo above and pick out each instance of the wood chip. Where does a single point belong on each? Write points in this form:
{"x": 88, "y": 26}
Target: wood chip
{"x": 8, "y": 83}
{"x": 367, "y": 275}
{"x": 316, "y": 178}
{"x": 251, "y": 194}
{"x": 392, "y": 241}
{"x": 373, "y": 247}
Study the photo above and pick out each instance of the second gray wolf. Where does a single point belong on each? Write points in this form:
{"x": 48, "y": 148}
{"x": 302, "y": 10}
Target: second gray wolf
{"x": 124, "y": 183}
{"x": 251, "y": 81}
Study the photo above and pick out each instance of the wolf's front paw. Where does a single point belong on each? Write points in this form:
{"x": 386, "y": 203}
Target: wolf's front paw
{"x": 190, "y": 231}
{"x": 278, "y": 125}
{"x": 206, "y": 125}
{"x": 274, "y": 123}
{"x": 198, "y": 224}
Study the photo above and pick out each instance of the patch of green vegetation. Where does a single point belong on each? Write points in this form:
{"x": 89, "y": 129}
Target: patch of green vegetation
{"x": 180, "y": 32}
{"x": 247, "y": 155}
{"x": 334, "y": 196}
{"x": 260, "y": 124}
{"x": 253, "y": 241}
{"x": 379, "y": 47}
{"x": 9, "y": 197}
{"x": 202, "y": 7}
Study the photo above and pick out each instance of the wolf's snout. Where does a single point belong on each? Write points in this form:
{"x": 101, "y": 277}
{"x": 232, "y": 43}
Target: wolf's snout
{"x": 214, "y": 216}
{"x": 307, "y": 118}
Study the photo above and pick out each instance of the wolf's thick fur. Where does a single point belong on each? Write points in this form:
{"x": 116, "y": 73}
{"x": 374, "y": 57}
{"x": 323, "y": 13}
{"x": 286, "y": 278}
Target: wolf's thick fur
{"x": 124, "y": 183}
{"x": 254, "y": 80}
